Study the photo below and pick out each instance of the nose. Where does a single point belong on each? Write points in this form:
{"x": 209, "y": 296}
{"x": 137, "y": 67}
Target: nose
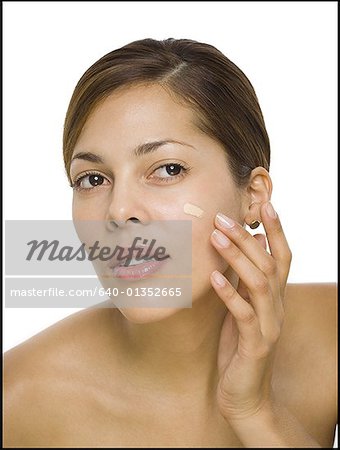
{"x": 127, "y": 205}
{"x": 121, "y": 223}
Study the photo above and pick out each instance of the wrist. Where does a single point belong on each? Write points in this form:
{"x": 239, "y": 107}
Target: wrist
{"x": 263, "y": 413}
{"x": 261, "y": 407}
{"x": 258, "y": 428}
{"x": 272, "y": 425}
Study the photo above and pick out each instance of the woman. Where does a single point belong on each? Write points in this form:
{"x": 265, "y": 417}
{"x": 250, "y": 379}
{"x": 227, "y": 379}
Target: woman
{"x": 172, "y": 130}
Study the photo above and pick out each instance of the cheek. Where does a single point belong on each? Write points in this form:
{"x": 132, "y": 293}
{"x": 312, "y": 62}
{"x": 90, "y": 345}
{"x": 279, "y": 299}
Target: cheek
{"x": 88, "y": 208}
{"x": 205, "y": 258}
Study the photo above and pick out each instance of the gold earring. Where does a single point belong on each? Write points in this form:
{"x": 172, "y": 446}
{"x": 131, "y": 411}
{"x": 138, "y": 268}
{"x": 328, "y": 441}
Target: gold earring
{"x": 254, "y": 224}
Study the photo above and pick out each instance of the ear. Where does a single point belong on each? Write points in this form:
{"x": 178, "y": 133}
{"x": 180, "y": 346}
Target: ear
{"x": 258, "y": 191}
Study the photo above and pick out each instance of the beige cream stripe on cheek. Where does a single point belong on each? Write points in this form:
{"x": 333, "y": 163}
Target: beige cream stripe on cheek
{"x": 193, "y": 210}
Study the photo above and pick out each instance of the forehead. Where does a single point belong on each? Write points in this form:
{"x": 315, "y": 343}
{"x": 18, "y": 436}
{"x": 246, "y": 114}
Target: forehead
{"x": 138, "y": 113}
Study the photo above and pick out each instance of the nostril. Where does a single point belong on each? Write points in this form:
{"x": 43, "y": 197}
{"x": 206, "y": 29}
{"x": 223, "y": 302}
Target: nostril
{"x": 112, "y": 225}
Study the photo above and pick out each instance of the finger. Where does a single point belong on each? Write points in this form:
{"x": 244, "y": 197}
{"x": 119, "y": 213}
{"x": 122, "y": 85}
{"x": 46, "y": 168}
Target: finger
{"x": 255, "y": 280}
{"x": 255, "y": 249}
{"x": 277, "y": 296}
{"x": 252, "y": 248}
{"x": 277, "y": 241}
{"x": 261, "y": 239}
{"x": 243, "y": 290}
{"x": 243, "y": 313}
{"x": 241, "y": 287}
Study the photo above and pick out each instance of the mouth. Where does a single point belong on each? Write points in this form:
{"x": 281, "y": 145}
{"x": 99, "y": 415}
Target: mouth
{"x": 136, "y": 266}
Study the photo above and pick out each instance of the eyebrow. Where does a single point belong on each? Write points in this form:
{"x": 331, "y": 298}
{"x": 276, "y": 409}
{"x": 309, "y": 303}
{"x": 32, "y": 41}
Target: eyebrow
{"x": 140, "y": 150}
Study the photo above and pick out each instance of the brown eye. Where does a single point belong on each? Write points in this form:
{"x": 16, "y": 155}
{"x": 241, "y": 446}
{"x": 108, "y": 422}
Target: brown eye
{"x": 173, "y": 169}
{"x": 89, "y": 181}
{"x": 96, "y": 180}
{"x": 169, "y": 172}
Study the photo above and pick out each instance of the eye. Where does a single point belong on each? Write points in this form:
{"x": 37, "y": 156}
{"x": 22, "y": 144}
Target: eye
{"x": 170, "y": 171}
{"x": 89, "y": 181}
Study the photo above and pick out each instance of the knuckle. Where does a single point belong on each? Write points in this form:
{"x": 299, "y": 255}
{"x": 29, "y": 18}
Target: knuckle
{"x": 234, "y": 252}
{"x": 263, "y": 350}
{"x": 269, "y": 267}
{"x": 248, "y": 317}
{"x": 289, "y": 255}
{"x": 233, "y": 300}
{"x": 230, "y": 292}
{"x": 274, "y": 334}
{"x": 243, "y": 236}
{"x": 261, "y": 284}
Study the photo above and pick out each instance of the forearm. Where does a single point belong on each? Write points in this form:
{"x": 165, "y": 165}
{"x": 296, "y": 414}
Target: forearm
{"x": 272, "y": 427}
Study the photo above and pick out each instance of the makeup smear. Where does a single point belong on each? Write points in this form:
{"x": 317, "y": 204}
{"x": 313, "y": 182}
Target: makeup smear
{"x": 193, "y": 210}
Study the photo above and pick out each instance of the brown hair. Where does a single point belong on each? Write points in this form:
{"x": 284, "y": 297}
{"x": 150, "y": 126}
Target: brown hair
{"x": 223, "y": 98}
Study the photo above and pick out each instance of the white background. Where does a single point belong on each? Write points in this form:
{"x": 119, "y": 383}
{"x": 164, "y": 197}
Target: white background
{"x": 288, "y": 51}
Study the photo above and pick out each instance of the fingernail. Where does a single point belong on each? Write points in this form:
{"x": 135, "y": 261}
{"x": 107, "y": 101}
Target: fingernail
{"x": 224, "y": 221}
{"x": 219, "y": 278}
{"x": 270, "y": 211}
{"x": 220, "y": 238}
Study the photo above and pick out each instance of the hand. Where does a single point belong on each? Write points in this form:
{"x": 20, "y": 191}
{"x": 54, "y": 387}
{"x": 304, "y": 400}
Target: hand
{"x": 253, "y": 323}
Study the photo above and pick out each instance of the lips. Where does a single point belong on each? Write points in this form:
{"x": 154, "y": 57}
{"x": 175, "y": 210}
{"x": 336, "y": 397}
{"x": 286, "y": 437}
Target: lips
{"x": 142, "y": 270}
{"x": 139, "y": 252}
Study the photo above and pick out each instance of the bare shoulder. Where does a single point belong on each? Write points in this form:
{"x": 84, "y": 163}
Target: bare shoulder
{"x": 311, "y": 320}
{"x": 313, "y": 303}
{"x": 307, "y": 357}
{"x": 311, "y": 323}
{"x": 42, "y": 374}
{"x": 313, "y": 291}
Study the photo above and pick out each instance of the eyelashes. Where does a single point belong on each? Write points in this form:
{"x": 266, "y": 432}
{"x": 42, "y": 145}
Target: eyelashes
{"x": 91, "y": 179}
{"x": 173, "y": 167}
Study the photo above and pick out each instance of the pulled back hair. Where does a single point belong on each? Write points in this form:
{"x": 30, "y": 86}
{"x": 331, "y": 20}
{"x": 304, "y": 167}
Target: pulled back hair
{"x": 225, "y": 103}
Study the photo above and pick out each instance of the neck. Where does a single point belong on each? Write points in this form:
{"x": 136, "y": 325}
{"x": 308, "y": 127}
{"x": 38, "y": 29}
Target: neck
{"x": 178, "y": 354}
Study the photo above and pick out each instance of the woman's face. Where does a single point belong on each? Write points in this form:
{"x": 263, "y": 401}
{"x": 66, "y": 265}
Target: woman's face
{"x": 127, "y": 186}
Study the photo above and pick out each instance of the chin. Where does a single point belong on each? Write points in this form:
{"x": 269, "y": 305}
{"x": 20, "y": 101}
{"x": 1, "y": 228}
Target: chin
{"x": 148, "y": 315}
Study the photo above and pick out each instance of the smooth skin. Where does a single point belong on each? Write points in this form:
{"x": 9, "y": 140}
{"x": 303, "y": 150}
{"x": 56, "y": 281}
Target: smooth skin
{"x": 251, "y": 364}
{"x": 74, "y": 385}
